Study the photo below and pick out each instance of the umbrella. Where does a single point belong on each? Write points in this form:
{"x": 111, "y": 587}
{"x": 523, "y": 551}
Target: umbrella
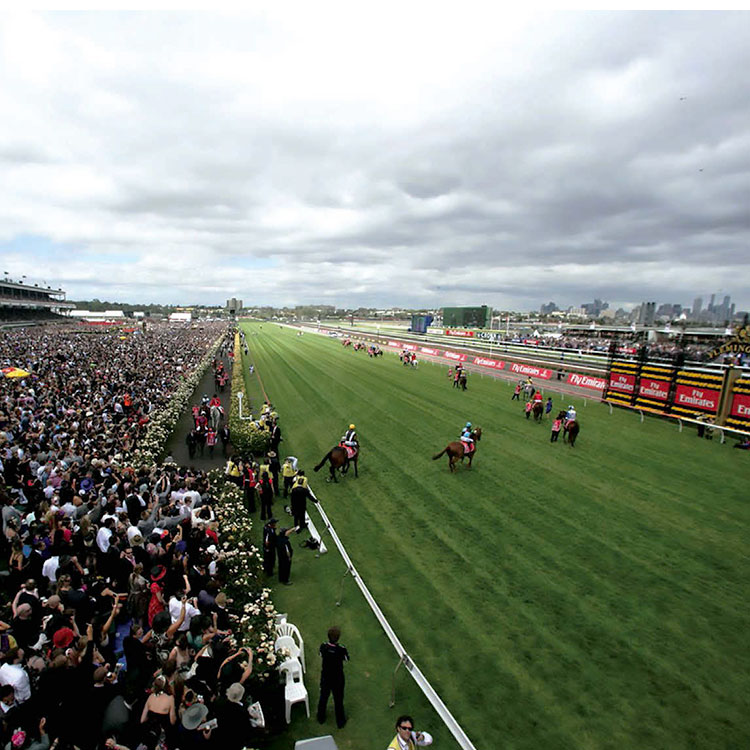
{"x": 14, "y": 372}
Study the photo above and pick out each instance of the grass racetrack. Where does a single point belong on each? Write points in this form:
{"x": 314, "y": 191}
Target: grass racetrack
{"x": 593, "y": 597}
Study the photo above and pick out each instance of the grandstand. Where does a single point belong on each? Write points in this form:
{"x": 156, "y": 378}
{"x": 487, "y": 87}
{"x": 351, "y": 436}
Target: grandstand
{"x": 22, "y": 303}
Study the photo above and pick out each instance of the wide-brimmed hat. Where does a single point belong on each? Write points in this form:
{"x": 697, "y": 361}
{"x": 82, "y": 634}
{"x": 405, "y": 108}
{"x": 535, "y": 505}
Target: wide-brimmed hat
{"x": 63, "y": 638}
{"x": 194, "y": 716}
{"x": 158, "y": 572}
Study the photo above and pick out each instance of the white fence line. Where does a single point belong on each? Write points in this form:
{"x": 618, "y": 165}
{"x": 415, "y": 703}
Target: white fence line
{"x": 442, "y": 710}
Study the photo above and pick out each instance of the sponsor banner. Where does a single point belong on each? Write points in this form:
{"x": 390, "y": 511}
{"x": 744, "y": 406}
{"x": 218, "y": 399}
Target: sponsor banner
{"x": 497, "y": 364}
{"x": 455, "y": 355}
{"x": 703, "y": 399}
{"x": 463, "y": 334}
{"x": 432, "y": 352}
{"x": 487, "y": 336}
{"x": 537, "y": 372}
{"x": 741, "y": 406}
{"x": 586, "y": 381}
{"x": 619, "y": 381}
{"x": 658, "y": 390}
{"x": 409, "y": 347}
{"x": 395, "y": 343}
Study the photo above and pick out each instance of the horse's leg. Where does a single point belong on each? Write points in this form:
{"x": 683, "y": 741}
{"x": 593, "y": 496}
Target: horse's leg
{"x": 356, "y": 473}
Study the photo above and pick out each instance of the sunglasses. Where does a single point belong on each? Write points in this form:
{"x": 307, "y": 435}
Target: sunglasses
{"x": 407, "y": 728}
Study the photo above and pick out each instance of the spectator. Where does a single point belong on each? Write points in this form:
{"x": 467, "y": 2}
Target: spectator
{"x": 332, "y": 677}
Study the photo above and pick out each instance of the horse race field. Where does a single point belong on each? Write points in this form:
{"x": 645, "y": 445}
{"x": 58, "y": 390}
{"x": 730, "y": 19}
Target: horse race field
{"x": 594, "y": 597}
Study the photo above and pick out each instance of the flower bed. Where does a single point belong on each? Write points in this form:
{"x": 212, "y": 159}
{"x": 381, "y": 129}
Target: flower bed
{"x": 255, "y": 627}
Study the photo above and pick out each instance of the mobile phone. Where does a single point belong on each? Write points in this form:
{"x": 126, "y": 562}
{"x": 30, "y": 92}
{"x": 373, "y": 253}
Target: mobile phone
{"x": 211, "y": 724}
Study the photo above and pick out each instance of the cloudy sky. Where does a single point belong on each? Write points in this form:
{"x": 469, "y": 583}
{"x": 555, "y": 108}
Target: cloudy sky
{"x": 398, "y": 155}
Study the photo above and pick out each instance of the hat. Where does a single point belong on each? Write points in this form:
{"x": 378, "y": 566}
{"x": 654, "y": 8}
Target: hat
{"x": 63, "y": 638}
{"x": 194, "y": 716}
{"x": 235, "y": 692}
{"x": 211, "y": 549}
{"x": 273, "y": 520}
{"x": 137, "y": 540}
{"x": 271, "y": 454}
{"x": 158, "y": 572}
{"x": 181, "y": 546}
{"x": 18, "y": 739}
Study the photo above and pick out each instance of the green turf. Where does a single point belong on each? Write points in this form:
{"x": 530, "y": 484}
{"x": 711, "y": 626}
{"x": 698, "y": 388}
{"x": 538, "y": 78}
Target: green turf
{"x": 593, "y": 597}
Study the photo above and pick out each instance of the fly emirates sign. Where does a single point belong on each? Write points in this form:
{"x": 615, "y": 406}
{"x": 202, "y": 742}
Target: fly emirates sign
{"x": 690, "y": 397}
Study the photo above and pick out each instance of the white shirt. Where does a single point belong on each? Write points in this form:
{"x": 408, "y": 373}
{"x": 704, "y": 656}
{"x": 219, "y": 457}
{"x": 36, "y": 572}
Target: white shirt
{"x": 426, "y": 740}
{"x": 102, "y": 538}
{"x": 15, "y": 675}
{"x": 49, "y": 569}
{"x": 175, "y": 607}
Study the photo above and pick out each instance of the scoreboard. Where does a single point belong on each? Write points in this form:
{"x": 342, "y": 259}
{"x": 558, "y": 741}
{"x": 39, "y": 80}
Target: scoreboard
{"x": 467, "y": 317}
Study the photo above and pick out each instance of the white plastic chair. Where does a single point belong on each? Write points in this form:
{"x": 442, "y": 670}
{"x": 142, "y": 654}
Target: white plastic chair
{"x": 288, "y": 643}
{"x": 287, "y": 628}
{"x": 294, "y": 690}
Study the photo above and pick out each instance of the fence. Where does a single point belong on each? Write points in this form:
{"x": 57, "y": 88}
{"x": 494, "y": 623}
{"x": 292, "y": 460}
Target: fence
{"x": 441, "y": 709}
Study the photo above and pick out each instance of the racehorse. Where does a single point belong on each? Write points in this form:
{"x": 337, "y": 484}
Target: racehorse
{"x": 457, "y": 450}
{"x": 538, "y": 411}
{"x": 339, "y": 459}
{"x": 216, "y": 416}
{"x": 462, "y": 381}
{"x": 570, "y": 429}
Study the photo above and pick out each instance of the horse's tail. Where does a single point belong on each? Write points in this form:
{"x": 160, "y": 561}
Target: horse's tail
{"x": 325, "y": 458}
{"x": 437, "y": 456}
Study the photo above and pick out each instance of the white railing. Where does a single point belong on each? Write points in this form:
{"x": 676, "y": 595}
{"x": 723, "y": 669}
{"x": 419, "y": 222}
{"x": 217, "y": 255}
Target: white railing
{"x": 442, "y": 710}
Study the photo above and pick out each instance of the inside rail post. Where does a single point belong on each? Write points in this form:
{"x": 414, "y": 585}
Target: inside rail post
{"x": 610, "y": 407}
{"x": 640, "y": 411}
{"x": 679, "y": 422}
{"x": 393, "y": 683}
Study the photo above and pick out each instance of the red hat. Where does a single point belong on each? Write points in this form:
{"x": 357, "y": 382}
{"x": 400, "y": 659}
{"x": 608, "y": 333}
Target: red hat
{"x": 63, "y": 638}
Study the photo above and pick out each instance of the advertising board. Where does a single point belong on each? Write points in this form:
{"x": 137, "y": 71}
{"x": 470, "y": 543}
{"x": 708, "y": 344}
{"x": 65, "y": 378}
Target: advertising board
{"x": 741, "y": 406}
{"x": 496, "y": 364}
{"x": 692, "y": 397}
{"x": 536, "y": 372}
{"x": 586, "y": 381}
{"x": 619, "y": 381}
{"x": 658, "y": 390}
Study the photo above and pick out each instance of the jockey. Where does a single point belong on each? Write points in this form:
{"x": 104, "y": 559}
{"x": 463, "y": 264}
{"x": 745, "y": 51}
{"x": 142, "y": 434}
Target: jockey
{"x": 350, "y": 437}
{"x": 570, "y": 415}
{"x": 466, "y": 435}
{"x": 215, "y": 401}
{"x": 538, "y": 397}
{"x": 205, "y": 400}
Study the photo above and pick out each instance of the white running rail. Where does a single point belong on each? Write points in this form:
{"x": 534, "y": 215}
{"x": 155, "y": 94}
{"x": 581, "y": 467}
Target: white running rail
{"x": 408, "y": 662}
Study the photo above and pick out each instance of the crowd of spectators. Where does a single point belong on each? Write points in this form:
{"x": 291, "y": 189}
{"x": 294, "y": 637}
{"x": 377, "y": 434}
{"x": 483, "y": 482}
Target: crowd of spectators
{"x": 117, "y": 630}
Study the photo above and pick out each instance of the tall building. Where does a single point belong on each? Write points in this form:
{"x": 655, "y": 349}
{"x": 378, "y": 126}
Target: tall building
{"x": 697, "y": 307}
{"x": 647, "y": 313}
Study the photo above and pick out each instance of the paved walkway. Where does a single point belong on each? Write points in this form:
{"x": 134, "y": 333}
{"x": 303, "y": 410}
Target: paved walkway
{"x": 176, "y": 446}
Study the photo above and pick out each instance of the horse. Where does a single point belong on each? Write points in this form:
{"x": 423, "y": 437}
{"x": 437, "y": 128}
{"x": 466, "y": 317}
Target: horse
{"x": 216, "y": 416}
{"x": 570, "y": 429}
{"x": 339, "y": 459}
{"x": 538, "y": 411}
{"x": 462, "y": 381}
{"x": 457, "y": 450}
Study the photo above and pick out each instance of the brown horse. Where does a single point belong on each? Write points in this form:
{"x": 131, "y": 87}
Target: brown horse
{"x": 339, "y": 459}
{"x": 538, "y": 411}
{"x": 457, "y": 450}
{"x": 570, "y": 429}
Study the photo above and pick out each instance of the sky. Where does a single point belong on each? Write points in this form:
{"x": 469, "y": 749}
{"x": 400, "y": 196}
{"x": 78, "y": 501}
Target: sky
{"x": 378, "y": 155}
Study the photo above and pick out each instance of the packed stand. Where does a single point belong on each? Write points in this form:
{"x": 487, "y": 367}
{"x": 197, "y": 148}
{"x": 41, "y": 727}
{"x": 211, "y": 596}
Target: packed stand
{"x": 118, "y": 625}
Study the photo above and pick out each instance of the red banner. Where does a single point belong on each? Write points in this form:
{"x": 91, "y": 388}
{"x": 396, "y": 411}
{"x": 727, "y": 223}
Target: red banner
{"x": 655, "y": 389}
{"x": 703, "y": 399}
{"x": 432, "y": 352}
{"x": 621, "y": 382}
{"x": 402, "y": 345}
{"x": 537, "y": 372}
{"x": 586, "y": 381}
{"x": 741, "y": 406}
{"x": 497, "y": 364}
{"x": 464, "y": 334}
{"x": 456, "y": 356}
